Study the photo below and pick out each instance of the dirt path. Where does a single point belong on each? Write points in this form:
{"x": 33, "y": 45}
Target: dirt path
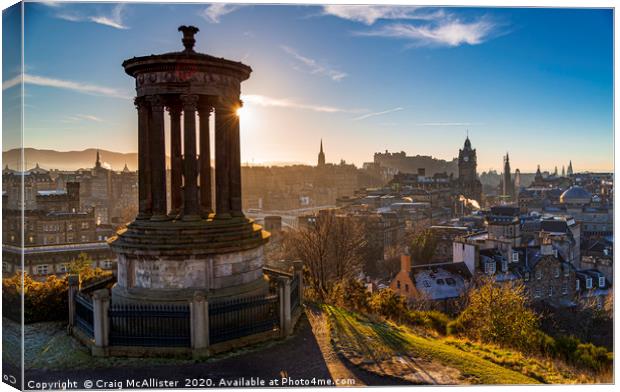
{"x": 338, "y": 368}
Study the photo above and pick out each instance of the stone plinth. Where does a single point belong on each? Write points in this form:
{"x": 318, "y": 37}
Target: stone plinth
{"x": 168, "y": 262}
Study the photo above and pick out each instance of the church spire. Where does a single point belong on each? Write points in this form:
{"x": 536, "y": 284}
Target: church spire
{"x": 569, "y": 171}
{"x": 321, "y": 161}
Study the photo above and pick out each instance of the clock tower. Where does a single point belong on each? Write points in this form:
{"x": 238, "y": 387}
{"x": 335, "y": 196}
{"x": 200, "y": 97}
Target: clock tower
{"x": 469, "y": 183}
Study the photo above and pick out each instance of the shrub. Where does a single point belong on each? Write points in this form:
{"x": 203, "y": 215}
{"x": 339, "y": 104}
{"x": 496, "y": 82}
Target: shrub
{"x": 388, "y": 304}
{"x": 351, "y": 294}
{"x": 43, "y": 300}
{"x": 497, "y": 313}
{"x": 591, "y": 356}
{"x": 430, "y": 319}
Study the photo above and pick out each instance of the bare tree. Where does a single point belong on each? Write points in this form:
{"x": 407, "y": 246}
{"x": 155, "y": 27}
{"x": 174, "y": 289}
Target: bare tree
{"x": 330, "y": 250}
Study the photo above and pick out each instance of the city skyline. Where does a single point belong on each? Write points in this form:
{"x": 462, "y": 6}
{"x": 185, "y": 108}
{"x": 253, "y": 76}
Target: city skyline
{"x": 519, "y": 80}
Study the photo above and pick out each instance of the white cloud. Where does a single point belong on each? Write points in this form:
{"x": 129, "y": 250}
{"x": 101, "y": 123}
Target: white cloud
{"x": 113, "y": 19}
{"x": 15, "y": 81}
{"x": 370, "y": 14}
{"x": 262, "y": 100}
{"x": 314, "y": 66}
{"x": 86, "y": 88}
{"x": 452, "y": 32}
{"x": 214, "y": 12}
{"x": 365, "y": 116}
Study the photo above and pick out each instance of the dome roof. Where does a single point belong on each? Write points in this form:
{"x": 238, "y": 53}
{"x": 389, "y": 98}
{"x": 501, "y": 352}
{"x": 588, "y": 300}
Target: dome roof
{"x": 576, "y": 195}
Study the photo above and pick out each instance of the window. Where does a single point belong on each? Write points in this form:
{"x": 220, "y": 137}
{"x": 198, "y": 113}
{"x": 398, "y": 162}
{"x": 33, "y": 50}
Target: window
{"x": 69, "y": 226}
{"x": 5, "y": 266}
{"x": 556, "y": 272}
{"x": 577, "y": 285}
{"x": 406, "y": 287}
{"x": 564, "y": 288}
{"x": 42, "y": 269}
{"x": 83, "y": 238}
{"x": 566, "y": 270}
{"x": 527, "y": 276}
{"x": 427, "y": 283}
{"x": 398, "y": 284}
{"x": 551, "y": 291}
{"x": 537, "y": 292}
{"x": 515, "y": 257}
{"x": 107, "y": 264}
{"x": 588, "y": 283}
{"x": 504, "y": 265}
{"x": 601, "y": 281}
{"x": 62, "y": 268}
{"x": 84, "y": 225}
{"x": 489, "y": 267}
{"x": 538, "y": 274}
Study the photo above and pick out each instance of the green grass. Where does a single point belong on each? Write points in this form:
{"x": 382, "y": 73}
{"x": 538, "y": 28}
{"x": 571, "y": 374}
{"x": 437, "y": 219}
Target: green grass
{"x": 378, "y": 340}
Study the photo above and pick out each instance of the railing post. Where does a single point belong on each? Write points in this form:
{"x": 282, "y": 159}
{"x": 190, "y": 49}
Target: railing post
{"x": 298, "y": 268}
{"x": 73, "y": 287}
{"x": 199, "y": 325}
{"x": 101, "y": 321}
{"x": 285, "y": 305}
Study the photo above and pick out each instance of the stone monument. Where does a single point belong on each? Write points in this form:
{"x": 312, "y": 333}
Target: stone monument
{"x": 190, "y": 243}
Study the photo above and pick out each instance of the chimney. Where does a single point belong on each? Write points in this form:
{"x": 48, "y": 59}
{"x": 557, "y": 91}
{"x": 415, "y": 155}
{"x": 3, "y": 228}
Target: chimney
{"x": 405, "y": 263}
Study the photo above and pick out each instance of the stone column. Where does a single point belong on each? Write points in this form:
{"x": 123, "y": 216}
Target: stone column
{"x": 298, "y": 266}
{"x": 204, "y": 111}
{"x": 176, "y": 159}
{"x": 101, "y": 321}
{"x": 199, "y": 325}
{"x": 285, "y": 305}
{"x": 74, "y": 286}
{"x": 157, "y": 154}
{"x": 144, "y": 162}
{"x": 222, "y": 161}
{"x": 235, "y": 162}
{"x": 190, "y": 167}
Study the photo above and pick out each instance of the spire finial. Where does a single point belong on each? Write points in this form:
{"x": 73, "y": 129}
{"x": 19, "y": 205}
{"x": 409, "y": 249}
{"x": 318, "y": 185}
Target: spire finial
{"x": 188, "y": 37}
{"x": 321, "y": 144}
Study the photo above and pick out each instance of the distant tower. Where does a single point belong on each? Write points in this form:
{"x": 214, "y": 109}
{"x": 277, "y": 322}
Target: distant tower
{"x": 98, "y": 161}
{"x": 508, "y": 190}
{"x": 569, "y": 171}
{"x": 563, "y": 171}
{"x": 321, "y": 156}
{"x": 469, "y": 183}
{"x": 555, "y": 172}
{"x": 517, "y": 186}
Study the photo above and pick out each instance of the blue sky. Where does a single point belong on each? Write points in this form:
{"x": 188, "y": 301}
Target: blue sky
{"x": 537, "y": 83}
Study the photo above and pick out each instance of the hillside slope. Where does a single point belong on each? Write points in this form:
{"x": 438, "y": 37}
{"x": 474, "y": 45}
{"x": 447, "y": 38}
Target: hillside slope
{"x": 401, "y": 352}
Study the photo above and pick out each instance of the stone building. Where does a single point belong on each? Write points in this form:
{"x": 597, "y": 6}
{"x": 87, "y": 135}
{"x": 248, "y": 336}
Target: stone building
{"x": 55, "y": 229}
{"x": 469, "y": 184}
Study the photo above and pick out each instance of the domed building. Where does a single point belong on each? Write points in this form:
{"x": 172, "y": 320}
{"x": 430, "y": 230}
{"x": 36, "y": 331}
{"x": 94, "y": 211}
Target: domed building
{"x": 576, "y": 195}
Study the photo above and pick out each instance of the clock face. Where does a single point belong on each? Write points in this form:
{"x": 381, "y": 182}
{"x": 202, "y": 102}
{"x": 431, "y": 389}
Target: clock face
{"x": 466, "y": 159}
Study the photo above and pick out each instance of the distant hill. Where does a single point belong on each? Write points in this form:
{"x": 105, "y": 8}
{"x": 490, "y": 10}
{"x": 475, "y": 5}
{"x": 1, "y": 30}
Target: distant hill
{"x": 70, "y": 160}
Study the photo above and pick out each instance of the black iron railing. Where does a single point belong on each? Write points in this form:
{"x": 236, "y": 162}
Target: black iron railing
{"x": 294, "y": 293}
{"x": 84, "y": 314}
{"x": 243, "y": 317}
{"x": 150, "y": 325}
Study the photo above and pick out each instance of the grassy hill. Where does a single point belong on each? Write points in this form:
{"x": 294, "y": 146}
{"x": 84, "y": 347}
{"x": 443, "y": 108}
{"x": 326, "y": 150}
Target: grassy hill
{"x": 420, "y": 357}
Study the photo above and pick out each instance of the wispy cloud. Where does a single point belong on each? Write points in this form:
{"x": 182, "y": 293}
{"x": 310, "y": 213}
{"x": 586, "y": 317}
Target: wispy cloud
{"x": 112, "y": 19}
{"x": 80, "y": 117}
{"x": 214, "y": 12}
{"x": 370, "y": 14}
{"x": 262, "y": 100}
{"x": 447, "y": 124}
{"x": 7, "y": 84}
{"x": 368, "y": 115}
{"x": 450, "y": 32}
{"x": 81, "y": 87}
{"x": 314, "y": 67}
